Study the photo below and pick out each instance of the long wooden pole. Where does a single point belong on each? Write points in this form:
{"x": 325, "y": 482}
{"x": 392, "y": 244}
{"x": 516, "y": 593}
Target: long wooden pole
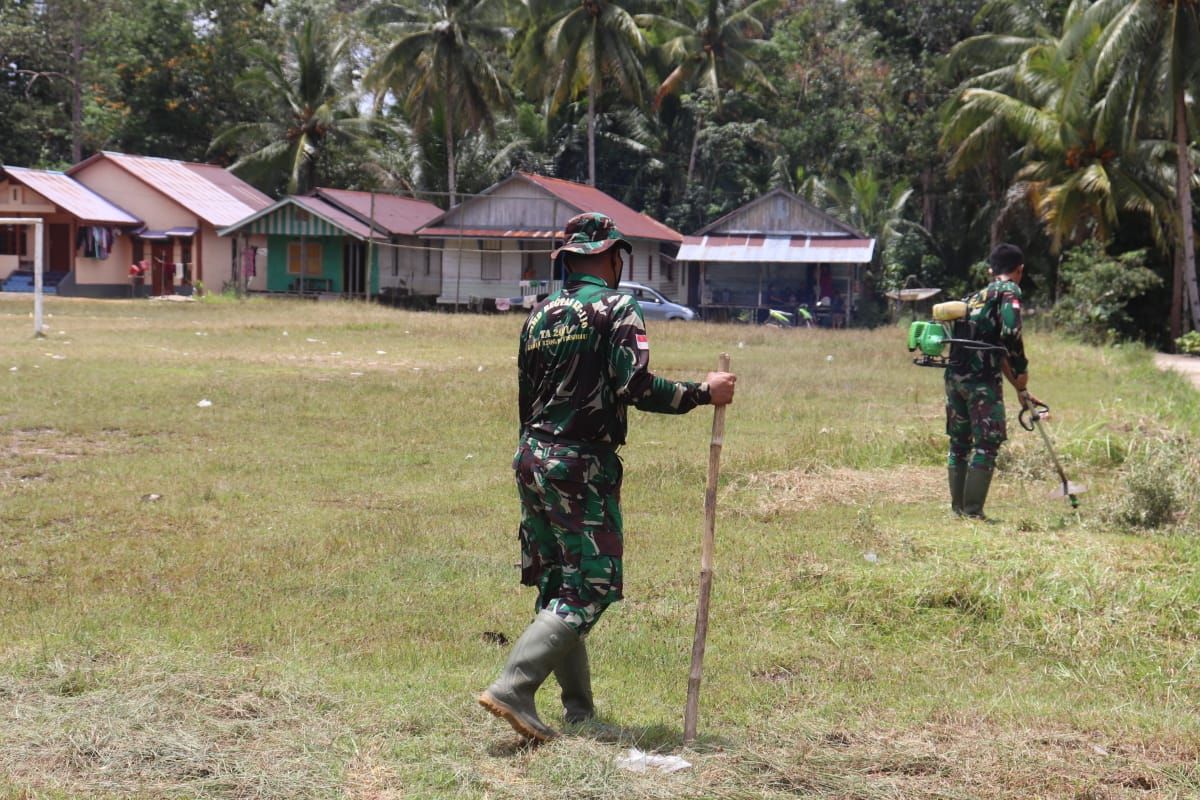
{"x": 706, "y": 564}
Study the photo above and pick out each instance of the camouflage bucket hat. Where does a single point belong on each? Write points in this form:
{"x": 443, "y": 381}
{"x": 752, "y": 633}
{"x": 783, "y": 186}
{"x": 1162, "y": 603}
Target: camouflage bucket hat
{"x": 590, "y": 233}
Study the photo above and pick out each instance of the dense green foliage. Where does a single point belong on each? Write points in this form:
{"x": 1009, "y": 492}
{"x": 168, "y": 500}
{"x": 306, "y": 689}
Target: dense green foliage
{"x": 959, "y": 122}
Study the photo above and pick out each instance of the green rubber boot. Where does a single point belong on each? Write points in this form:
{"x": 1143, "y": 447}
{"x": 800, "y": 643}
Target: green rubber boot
{"x": 543, "y": 644}
{"x": 975, "y": 492}
{"x": 958, "y": 480}
{"x": 575, "y": 679}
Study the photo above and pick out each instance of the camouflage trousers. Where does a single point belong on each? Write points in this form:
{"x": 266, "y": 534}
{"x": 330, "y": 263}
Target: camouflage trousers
{"x": 570, "y": 532}
{"x": 974, "y": 420}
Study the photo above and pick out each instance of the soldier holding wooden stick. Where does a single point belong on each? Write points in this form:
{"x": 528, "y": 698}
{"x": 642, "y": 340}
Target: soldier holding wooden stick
{"x": 584, "y": 359}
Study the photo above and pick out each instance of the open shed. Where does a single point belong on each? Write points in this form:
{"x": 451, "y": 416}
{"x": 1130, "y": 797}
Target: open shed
{"x": 776, "y": 252}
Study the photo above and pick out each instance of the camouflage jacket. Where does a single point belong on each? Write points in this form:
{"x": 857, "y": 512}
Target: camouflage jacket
{"x": 584, "y": 360}
{"x": 994, "y": 314}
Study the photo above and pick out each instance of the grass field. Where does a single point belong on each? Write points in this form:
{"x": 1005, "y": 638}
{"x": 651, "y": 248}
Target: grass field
{"x": 293, "y": 591}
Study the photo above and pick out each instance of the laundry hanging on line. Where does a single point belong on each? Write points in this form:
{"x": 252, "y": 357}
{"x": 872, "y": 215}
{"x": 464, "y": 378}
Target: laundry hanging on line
{"x": 95, "y": 241}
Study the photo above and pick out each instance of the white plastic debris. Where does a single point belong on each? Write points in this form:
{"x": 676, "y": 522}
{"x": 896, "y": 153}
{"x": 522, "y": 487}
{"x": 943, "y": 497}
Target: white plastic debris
{"x": 316, "y": 341}
{"x": 480, "y": 369}
{"x": 637, "y": 761}
{"x": 829, "y": 358}
{"x": 871, "y": 557}
{"x": 285, "y": 333}
{"x": 741, "y": 345}
{"x": 355, "y": 374}
{"x": 13, "y": 369}
{"x": 381, "y": 352}
{"x": 204, "y": 404}
{"x": 470, "y": 456}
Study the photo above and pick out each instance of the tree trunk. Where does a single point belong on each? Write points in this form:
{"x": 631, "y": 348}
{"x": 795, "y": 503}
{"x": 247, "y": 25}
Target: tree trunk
{"x": 77, "y": 89}
{"x": 451, "y": 178}
{"x": 1187, "y": 263}
{"x": 695, "y": 147}
{"x": 592, "y": 86}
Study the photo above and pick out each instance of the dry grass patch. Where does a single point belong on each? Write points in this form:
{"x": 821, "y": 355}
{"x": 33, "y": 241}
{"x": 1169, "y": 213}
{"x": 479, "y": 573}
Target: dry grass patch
{"x": 93, "y": 728}
{"x": 806, "y": 488}
{"x": 27, "y": 453}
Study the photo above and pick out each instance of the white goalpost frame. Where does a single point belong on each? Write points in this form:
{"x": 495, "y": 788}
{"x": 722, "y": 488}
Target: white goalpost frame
{"x": 37, "y": 224}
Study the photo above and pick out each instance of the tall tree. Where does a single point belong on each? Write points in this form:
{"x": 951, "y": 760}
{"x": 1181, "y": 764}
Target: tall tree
{"x": 305, "y": 98}
{"x": 572, "y": 45}
{"x": 714, "y": 44}
{"x": 1078, "y": 170}
{"x": 1147, "y": 55}
{"x": 440, "y": 65}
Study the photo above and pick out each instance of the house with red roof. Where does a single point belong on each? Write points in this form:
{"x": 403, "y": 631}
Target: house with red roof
{"x": 497, "y": 244}
{"x": 339, "y": 242}
{"x": 180, "y": 206}
{"x": 82, "y": 231}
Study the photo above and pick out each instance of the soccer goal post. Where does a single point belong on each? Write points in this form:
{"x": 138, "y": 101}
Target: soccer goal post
{"x": 37, "y": 266}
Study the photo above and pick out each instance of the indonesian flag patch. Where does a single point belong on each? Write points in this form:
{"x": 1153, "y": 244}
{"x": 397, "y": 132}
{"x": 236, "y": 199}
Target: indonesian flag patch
{"x": 1016, "y": 303}
{"x": 642, "y": 342}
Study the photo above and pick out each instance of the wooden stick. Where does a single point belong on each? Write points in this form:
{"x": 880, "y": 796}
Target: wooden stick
{"x": 706, "y": 564}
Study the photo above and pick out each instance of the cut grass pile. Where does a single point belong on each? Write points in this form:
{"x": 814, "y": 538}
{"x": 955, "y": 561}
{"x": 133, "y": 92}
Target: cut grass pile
{"x": 297, "y": 589}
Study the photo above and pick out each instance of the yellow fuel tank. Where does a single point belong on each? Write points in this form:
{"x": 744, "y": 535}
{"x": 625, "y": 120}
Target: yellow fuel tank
{"x": 948, "y": 312}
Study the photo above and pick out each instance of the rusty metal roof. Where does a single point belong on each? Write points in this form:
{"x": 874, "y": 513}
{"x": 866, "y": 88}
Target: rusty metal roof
{"x": 489, "y": 233}
{"x": 71, "y": 196}
{"x": 210, "y": 192}
{"x": 776, "y": 249}
{"x": 633, "y": 224}
{"x": 303, "y": 215}
{"x": 399, "y": 216}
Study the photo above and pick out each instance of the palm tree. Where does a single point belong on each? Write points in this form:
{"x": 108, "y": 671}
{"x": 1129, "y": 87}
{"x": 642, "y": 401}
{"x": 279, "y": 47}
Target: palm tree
{"x": 572, "y": 45}
{"x": 1077, "y": 170}
{"x": 439, "y": 66}
{"x": 305, "y": 99}
{"x": 713, "y": 44}
{"x": 1147, "y": 55}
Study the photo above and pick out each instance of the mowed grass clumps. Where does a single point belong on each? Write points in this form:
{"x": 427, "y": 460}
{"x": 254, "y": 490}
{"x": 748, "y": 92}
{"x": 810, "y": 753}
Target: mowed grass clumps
{"x": 297, "y": 588}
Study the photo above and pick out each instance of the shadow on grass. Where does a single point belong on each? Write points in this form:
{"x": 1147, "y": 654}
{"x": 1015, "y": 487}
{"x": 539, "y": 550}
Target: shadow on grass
{"x": 649, "y": 738}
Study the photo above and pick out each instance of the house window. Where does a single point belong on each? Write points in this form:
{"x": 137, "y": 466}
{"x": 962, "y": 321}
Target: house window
{"x": 311, "y": 259}
{"x": 185, "y": 251}
{"x": 489, "y": 259}
{"x": 12, "y": 240}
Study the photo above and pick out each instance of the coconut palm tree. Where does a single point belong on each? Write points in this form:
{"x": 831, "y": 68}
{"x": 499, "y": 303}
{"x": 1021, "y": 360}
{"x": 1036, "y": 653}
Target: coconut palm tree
{"x": 440, "y": 66}
{"x": 305, "y": 98}
{"x": 1147, "y": 56}
{"x": 1077, "y": 168}
{"x": 712, "y": 44}
{"x": 572, "y": 45}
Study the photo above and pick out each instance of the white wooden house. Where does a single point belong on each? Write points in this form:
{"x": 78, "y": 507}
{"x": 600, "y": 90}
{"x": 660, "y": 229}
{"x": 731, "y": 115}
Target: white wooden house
{"x": 493, "y": 242}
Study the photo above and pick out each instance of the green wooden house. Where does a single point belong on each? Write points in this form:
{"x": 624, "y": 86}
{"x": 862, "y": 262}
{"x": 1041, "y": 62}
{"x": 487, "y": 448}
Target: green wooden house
{"x": 329, "y": 242}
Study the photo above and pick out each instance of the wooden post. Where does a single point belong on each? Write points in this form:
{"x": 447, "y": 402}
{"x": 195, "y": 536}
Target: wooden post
{"x": 706, "y": 564}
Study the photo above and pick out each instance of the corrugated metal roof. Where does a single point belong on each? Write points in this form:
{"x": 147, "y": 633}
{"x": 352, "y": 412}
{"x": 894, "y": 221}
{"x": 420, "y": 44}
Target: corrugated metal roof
{"x": 210, "y": 192}
{"x": 489, "y": 233}
{"x": 71, "y": 196}
{"x": 302, "y": 215}
{"x": 399, "y": 216}
{"x": 632, "y": 223}
{"x": 776, "y": 249}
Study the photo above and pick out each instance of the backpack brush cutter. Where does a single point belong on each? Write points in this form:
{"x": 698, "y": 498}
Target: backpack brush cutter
{"x": 950, "y": 327}
{"x": 932, "y": 338}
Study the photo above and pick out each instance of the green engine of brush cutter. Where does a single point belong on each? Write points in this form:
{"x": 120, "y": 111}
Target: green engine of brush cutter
{"x": 928, "y": 337}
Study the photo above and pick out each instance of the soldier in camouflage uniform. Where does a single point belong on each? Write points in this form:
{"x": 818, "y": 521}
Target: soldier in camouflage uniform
{"x": 975, "y": 419}
{"x": 584, "y": 359}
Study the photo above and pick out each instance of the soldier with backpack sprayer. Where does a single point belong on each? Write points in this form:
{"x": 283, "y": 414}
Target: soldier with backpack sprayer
{"x": 975, "y": 419}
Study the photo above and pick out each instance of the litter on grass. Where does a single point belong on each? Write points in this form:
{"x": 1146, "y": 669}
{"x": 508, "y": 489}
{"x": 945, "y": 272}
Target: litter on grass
{"x": 637, "y": 761}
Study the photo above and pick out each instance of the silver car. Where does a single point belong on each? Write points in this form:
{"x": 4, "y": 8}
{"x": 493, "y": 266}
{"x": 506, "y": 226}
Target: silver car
{"x": 654, "y": 305}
